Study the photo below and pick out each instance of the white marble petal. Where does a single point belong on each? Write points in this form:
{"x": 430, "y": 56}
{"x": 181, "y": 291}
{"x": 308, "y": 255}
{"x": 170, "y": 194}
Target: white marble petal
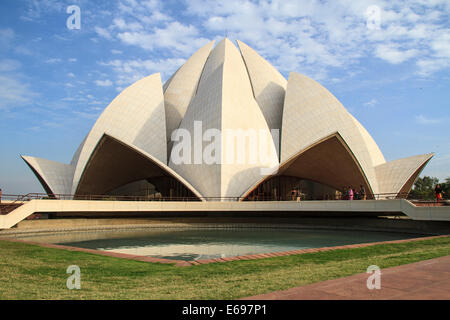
{"x": 392, "y": 176}
{"x": 312, "y": 112}
{"x": 269, "y": 86}
{"x": 137, "y": 117}
{"x": 224, "y": 101}
{"x": 181, "y": 87}
{"x": 53, "y": 175}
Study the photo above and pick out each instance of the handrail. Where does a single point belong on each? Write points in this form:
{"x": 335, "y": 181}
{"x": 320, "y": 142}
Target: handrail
{"x": 4, "y": 207}
{"x": 31, "y": 196}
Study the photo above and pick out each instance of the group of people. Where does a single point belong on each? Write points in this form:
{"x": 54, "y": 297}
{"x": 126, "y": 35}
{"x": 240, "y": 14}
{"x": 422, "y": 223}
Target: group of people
{"x": 353, "y": 194}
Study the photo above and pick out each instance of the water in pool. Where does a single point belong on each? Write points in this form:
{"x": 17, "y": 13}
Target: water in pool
{"x": 193, "y": 244}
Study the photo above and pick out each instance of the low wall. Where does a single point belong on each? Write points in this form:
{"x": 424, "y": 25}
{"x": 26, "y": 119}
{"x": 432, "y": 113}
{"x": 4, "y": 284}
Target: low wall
{"x": 388, "y": 224}
{"x": 257, "y": 209}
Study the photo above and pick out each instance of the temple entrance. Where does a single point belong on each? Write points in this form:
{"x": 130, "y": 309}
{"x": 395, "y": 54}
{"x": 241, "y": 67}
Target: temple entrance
{"x": 163, "y": 187}
{"x": 288, "y": 188}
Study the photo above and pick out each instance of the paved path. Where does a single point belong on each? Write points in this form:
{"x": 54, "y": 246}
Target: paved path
{"x": 429, "y": 279}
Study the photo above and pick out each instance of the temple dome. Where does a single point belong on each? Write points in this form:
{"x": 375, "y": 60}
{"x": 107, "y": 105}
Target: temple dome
{"x": 223, "y": 96}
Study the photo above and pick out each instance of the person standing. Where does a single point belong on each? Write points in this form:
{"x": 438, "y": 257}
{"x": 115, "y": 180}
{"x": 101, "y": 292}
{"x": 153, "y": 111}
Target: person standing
{"x": 0, "y": 196}
{"x": 337, "y": 195}
{"x": 293, "y": 194}
{"x": 438, "y": 192}
{"x": 362, "y": 192}
{"x": 350, "y": 193}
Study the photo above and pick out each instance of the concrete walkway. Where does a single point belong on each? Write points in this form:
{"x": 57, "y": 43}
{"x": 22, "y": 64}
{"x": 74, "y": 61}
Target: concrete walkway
{"x": 424, "y": 280}
{"x": 330, "y": 208}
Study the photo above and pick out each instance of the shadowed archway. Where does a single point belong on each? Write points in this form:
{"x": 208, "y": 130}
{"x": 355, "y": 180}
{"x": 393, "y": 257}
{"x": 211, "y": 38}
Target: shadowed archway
{"x": 114, "y": 164}
{"x": 329, "y": 162}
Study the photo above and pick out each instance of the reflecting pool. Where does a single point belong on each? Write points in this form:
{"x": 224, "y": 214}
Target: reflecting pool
{"x": 209, "y": 243}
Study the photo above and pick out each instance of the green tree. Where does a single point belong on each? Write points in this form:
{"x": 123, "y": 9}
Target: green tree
{"x": 446, "y": 188}
{"x": 424, "y": 188}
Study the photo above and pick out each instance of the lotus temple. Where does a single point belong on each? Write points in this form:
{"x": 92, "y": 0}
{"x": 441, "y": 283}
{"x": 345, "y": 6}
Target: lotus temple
{"x": 227, "y": 160}
{"x": 315, "y": 145}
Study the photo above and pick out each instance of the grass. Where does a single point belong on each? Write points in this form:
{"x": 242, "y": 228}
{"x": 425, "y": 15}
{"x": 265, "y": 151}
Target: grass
{"x": 33, "y": 272}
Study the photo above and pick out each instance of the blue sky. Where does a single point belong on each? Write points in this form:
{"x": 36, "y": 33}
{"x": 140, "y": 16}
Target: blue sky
{"x": 387, "y": 62}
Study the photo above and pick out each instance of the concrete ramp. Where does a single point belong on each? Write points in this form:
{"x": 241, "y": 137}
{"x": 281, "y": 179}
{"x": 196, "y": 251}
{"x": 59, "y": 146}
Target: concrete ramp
{"x": 425, "y": 213}
{"x": 283, "y": 208}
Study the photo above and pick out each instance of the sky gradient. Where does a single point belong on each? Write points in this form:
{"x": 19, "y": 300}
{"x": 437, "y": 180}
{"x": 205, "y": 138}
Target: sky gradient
{"x": 387, "y": 62}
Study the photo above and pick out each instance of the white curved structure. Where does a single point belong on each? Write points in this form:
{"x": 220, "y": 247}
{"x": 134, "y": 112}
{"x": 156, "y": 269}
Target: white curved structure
{"x": 220, "y": 108}
{"x": 398, "y": 176}
{"x": 55, "y": 177}
{"x": 224, "y": 102}
{"x": 269, "y": 86}
{"x": 311, "y": 113}
{"x": 115, "y": 163}
{"x": 137, "y": 117}
{"x": 181, "y": 88}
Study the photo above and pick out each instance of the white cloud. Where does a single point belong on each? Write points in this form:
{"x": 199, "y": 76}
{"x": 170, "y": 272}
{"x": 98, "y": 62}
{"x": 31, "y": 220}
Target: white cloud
{"x": 53, "y": 60}
{"x": 104, "y": 83}
{"x": 427, "y": 121}
{"x": 6, "y": 36}
{"x": 311, "y": 37}
{"x": 371, "y": 103}
{"x": 174, "y": 35}
{"x": 441, "y": 45}
{"x": 103, "y": 32}
{"x": 14, "y": 92}
{"x": 429, "y": 66}
{"x": 393, "y": 55}
{"x": 87, "y": 114}
{"x": 120, "y": 24}
{"x": 9, "y": 65}
{"x": 314, "y": 36}
{"x": 36, "y": 8}
{"x": 129, "y": 71}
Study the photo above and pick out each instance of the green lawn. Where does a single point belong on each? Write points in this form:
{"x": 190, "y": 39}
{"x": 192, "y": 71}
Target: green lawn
{"x": 32, "y": 272}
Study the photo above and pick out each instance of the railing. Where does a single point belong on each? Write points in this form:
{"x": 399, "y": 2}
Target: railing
{"x": 15, "y": 199}
{"x": 430, "y": 203}
{"x": 378, "y": 196}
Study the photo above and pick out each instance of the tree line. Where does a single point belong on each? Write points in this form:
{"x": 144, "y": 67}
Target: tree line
{"x": 423, "y": 188}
